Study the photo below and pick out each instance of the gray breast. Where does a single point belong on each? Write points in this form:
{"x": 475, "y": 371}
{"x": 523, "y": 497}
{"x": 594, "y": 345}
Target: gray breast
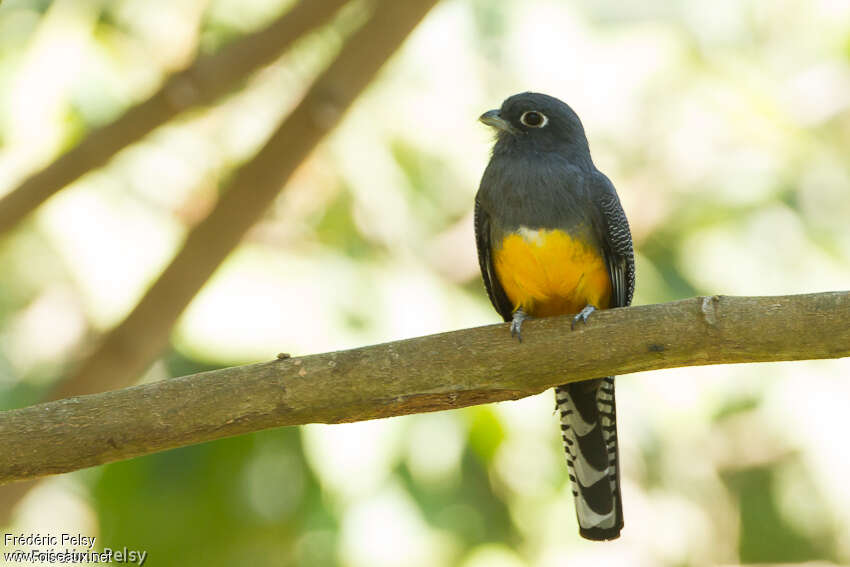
{"x": 536, "y": 191}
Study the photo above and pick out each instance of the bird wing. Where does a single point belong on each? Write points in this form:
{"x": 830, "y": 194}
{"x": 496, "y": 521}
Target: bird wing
{"x": 485, "y": 261}
{"x": 617, "y": 242}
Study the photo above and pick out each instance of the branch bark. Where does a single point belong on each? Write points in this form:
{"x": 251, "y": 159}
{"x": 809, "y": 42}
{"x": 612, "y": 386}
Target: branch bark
{"x": 431, "y": 373}
{"x": 206, "y": 80}
{"x": 134, "y": 344}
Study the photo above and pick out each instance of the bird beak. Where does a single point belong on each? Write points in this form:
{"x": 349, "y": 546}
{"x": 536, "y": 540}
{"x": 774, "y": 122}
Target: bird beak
{"x": 492, "y": 118}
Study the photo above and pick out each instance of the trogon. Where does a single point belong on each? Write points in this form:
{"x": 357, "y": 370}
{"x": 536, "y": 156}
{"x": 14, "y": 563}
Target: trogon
{"x": 553, "y": 239}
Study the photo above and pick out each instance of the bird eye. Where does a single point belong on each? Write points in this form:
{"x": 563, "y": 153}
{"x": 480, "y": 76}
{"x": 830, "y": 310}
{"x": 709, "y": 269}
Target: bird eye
{"x": 533, "y": 119}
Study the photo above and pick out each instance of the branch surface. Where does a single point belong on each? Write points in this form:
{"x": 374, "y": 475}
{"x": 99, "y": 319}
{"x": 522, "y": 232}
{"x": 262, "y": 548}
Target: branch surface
{"x": 431, "y": 373}
{"x": 206, "y": 80}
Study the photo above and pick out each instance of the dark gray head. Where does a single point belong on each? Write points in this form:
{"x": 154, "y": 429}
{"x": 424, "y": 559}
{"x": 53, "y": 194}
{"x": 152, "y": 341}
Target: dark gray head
{"x": 538, "y": 122}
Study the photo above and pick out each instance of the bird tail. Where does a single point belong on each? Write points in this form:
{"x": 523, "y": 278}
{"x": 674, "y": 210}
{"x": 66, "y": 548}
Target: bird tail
{"x": 589, "y": 431}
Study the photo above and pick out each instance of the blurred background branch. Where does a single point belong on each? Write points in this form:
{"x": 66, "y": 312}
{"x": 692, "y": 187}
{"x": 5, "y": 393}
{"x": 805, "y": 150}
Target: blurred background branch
{"x": 208, "y": 78}
{"x": 128, "y": 349}
{"x": 432, "y": 373}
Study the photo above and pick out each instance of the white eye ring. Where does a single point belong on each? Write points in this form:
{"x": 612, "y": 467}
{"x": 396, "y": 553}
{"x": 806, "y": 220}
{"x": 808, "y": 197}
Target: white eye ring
{"x": 533, "y": 114}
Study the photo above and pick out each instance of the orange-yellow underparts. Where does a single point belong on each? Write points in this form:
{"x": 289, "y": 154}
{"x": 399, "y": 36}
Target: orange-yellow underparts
{"x": 549, "y": 272}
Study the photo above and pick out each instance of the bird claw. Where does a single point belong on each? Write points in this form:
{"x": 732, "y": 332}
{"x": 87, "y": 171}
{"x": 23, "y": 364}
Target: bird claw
{"x": 516, "y": 323}
{"x": 582, "y": 315}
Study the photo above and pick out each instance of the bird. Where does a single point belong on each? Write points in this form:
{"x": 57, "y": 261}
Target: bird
{"x": 553, "y": 239}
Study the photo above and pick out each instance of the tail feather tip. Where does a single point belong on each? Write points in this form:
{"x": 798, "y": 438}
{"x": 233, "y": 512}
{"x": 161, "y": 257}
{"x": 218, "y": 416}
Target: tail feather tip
{"x": 600, "y": 534}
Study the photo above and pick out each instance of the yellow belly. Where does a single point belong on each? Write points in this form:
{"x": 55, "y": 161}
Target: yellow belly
{"x": 548, "y": 272}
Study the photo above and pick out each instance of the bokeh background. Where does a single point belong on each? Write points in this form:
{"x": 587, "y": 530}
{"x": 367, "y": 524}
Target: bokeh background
{"x": 725, "y": 126}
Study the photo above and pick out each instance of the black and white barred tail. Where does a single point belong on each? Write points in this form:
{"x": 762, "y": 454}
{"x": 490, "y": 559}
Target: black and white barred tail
{"x": 589, "y": 431}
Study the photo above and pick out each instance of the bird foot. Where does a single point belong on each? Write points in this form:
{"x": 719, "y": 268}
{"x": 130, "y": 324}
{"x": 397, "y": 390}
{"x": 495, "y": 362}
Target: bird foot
{"x": 583, "y": 315}
{"x": 516, "y": 323}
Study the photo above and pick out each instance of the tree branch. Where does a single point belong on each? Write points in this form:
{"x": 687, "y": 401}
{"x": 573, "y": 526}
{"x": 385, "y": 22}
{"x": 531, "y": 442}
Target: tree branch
{"x": 431, "y": 373}
{"x": 133, "y": 345}
{"x": 207, "y": 79}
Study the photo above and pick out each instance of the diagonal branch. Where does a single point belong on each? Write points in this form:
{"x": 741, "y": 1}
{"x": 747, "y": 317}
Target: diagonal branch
{"x": 134, "y": 344}
{"x": 431, "y": 373}
{"x": 206, "y": 80}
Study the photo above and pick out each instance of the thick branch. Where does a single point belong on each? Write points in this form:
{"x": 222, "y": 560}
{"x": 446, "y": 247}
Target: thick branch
{"x": 207, "y": 79}
{"x": 431, "y": 373}
{"x": 134, "y": 344}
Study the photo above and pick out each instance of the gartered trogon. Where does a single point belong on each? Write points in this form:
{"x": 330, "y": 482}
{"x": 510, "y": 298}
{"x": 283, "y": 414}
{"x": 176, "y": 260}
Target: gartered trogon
{"x": 553, "y": 239}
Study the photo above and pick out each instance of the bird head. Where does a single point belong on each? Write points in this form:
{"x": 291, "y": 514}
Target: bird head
{"x": 536, "y": 120}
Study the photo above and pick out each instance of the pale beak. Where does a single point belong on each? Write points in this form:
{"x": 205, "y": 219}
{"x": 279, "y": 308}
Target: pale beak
{"x": 492, "y": 118}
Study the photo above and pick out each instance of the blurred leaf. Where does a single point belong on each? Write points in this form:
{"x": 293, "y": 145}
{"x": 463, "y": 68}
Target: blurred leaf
{"x": 189, "y": 506}
{"x": 765, "y": 537}
{"x": 434, "y": 196}
{"x": 469, "y": 510}
{"x": 338, "y": 230}
{"x": 735, "y": 406}
{"x": 485, "y": 432}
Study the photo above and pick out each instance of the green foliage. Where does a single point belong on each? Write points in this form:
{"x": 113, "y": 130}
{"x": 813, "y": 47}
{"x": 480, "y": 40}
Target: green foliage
{"x": 250, "y": 498}
{"x": 765, "y": 535}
